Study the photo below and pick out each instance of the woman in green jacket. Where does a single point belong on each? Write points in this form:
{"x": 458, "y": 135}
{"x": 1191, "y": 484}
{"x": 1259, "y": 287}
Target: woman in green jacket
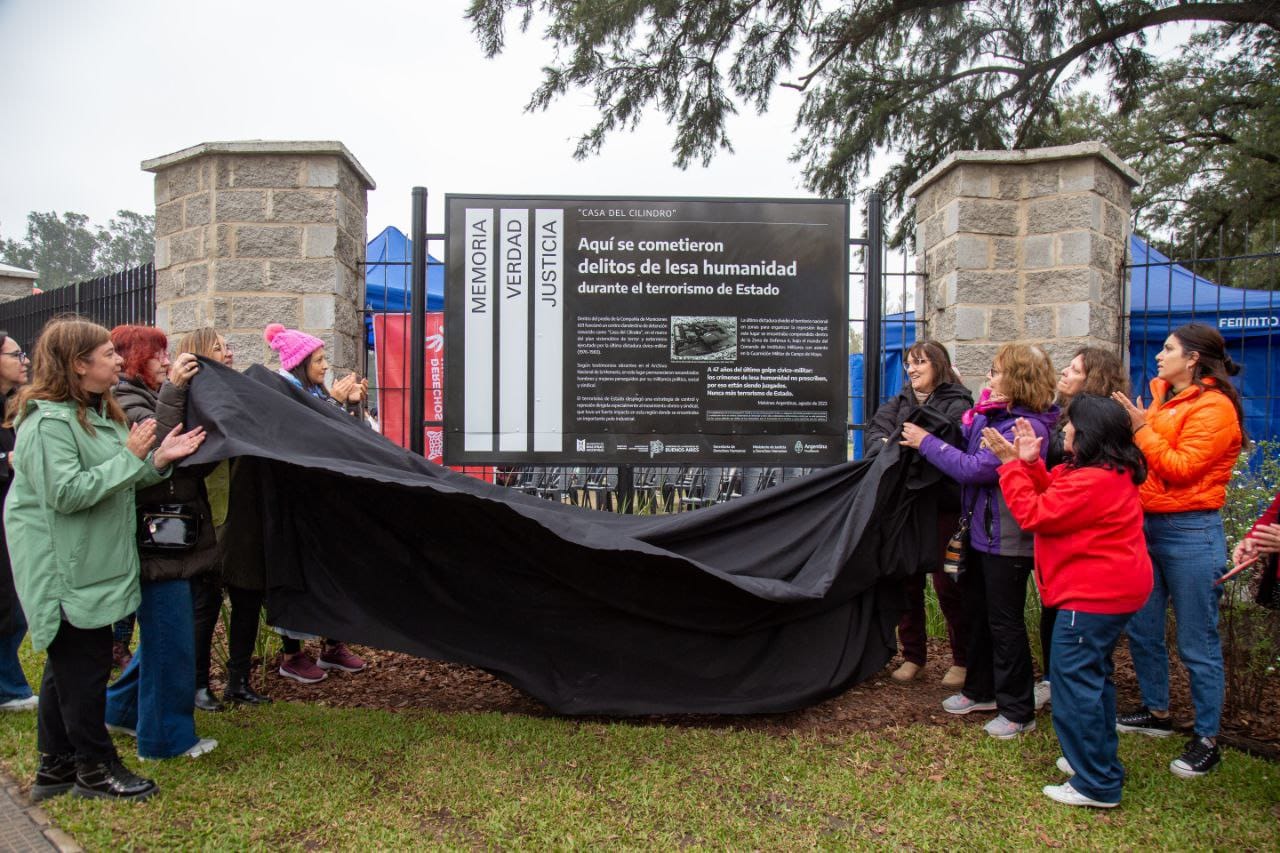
{"x": 70, "y": 517}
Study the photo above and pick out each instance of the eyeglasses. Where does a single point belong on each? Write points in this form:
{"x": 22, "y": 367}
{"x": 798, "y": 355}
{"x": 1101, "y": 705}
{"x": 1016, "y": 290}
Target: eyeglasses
{"x": 18, "y": 354}
{"x": 918, "y": 362}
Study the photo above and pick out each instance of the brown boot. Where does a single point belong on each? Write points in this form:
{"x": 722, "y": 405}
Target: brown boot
{"x": 954, "y": 679}
{"x": 907, "y": 672}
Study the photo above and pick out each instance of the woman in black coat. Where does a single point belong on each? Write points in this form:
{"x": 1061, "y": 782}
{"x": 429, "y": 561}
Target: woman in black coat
{"x": 934, "y": 384}
{"x": 15, "y": 691}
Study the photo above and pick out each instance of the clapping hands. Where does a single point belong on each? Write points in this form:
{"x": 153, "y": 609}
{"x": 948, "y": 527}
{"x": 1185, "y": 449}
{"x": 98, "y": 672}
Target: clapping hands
{"x": 350, "y": 389}
{"x": 1025, "y": 444}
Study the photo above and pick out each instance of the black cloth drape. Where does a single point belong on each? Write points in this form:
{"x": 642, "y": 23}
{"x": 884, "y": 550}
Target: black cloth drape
{"x": 768, "y": 603}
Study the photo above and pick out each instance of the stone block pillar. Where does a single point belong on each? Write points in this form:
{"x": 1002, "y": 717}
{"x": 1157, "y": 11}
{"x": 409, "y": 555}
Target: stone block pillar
{"x": 1023, "y": 246}
{"x": 251, "y": 233}
{"x": 15, "y": 282}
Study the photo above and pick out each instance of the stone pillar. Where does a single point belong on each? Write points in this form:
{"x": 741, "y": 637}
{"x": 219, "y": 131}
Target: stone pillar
{"x": 1023, "y": 246}
{"x": 15, "y": 282}
{"x": 251, "y": 233}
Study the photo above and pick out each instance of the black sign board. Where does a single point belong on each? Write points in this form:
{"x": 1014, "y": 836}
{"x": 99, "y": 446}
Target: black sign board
{"x": 646, "y": 331}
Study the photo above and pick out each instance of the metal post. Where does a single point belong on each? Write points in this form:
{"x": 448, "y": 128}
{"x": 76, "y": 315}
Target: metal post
{"x": 418, "y": 324}
{"x": 874, "y": 295}
{"x": 626, "y": 489}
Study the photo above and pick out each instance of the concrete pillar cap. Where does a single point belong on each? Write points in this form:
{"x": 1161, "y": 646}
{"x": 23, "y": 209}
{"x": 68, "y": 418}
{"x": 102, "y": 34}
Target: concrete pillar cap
{"x": 1028, "y": 156}
{"x": 260, "y": 146}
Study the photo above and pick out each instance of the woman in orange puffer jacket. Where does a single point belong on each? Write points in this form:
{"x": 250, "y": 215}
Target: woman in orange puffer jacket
{"x": 1191, "y": 436}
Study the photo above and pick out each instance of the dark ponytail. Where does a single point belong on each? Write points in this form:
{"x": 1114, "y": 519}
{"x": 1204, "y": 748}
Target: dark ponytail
{"x": 1213, "y": 363}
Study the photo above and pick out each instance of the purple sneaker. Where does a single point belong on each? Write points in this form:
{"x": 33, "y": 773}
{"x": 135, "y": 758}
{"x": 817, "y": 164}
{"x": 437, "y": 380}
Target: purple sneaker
{"x": 338, "y": 656}
{"x": 299, "y": 667}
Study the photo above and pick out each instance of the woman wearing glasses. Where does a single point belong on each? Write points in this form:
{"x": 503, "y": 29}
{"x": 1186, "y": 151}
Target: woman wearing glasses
{"x": 999, "y": 678}
{"x": 932, "y": 383}
{"x": 15, "y": 692}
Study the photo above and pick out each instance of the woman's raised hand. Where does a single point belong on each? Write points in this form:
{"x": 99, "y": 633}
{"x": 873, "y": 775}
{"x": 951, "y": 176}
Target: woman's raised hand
{"x": 1137, "y": 417}
{"x": 344, "y": 388}
{"x": 178, "y": 445}
{"x": 141, "y": 437}
{"x": 185, "y": 367}
{"x": 1026, "y": 441}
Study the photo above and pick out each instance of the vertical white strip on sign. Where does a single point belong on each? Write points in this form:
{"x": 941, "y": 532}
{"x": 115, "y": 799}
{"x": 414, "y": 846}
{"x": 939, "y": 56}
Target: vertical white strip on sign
{"x": 513, "y": 331}
{"x": 548, "y": 330}
{"x": 478, "y": 353}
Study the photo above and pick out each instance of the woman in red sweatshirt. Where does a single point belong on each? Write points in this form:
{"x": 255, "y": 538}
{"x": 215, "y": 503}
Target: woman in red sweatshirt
{"x": 1091, "y": 564}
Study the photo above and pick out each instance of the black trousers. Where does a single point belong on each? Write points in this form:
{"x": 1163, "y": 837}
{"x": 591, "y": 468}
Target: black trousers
{"x": 73, "y": 695}
{"x": 1048, "y": 616}
{"x": 206, "y": 606}
{"x": 995, "y": 597}
{"x": 242, "y": 635}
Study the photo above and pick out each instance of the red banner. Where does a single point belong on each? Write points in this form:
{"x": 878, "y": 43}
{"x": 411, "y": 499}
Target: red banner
{"x": 390, "y": 345}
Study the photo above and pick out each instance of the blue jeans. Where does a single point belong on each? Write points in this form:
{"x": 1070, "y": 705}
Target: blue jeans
{"x": 13, "y": 681}
{"x": 1188, "y": 553}
{"x": 1084, "y": 700}
{"x": 155, "y": 695}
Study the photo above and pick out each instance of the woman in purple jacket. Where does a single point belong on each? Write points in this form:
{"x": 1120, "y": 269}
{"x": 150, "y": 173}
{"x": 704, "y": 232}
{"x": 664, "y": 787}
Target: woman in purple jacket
{"x": 1021, "y": 384}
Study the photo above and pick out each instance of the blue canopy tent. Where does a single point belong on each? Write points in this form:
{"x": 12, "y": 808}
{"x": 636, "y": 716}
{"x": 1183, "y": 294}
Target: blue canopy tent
{"x": 386, "y": 276}
{"x": 1162, "y": 296}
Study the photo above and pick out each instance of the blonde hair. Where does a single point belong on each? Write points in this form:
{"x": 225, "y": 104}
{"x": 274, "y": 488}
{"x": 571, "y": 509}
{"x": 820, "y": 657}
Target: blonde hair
{"x": 62, "y": 342}
{"x": 1026, "y": 376}
{"x": 200, "y": 342}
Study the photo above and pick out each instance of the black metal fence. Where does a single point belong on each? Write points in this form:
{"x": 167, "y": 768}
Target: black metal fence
{"x": 123, "y": 297}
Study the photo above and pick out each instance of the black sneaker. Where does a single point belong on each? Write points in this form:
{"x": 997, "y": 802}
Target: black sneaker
{"x": 1197, "y": 759}
{"x": 55, "y": 775}
{"x": 1144, "y": 722}
{"x": 111, "y": 780}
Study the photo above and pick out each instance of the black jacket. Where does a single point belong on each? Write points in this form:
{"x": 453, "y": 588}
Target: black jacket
{"x": 935, "y": 494}
{"x": 9, "y": 606}
{"x": 185, "y": 486}
{"x": 950, "y": 399}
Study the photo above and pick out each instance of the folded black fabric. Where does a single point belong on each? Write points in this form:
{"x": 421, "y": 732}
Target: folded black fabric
{"x": 764, "y": 604}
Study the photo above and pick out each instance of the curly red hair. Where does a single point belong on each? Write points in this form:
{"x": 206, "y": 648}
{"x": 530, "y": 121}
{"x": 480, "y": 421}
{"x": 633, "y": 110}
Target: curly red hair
{"x": 136, "y": 345}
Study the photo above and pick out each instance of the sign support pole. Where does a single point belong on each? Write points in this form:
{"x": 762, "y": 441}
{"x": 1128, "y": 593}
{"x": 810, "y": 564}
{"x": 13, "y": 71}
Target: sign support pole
{"x": 418, "y": 325}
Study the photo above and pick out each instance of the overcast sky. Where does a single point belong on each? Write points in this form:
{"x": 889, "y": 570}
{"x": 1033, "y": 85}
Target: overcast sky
{"x": 90, "y": 89}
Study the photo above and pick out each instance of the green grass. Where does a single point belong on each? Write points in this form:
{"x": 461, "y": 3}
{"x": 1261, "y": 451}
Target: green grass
{"x": 302, "y": 776}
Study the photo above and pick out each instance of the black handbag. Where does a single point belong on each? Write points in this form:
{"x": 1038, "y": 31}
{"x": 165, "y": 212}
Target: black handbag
{"x": 165, "y": 529}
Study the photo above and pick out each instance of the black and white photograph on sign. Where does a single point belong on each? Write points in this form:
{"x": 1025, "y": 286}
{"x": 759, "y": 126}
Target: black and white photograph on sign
{"x": 704, "y": 338}
{"x": 620, "y": 330}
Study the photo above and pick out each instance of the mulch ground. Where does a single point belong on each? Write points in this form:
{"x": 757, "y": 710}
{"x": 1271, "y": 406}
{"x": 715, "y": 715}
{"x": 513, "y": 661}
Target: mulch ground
{"x": 396, "y": 681}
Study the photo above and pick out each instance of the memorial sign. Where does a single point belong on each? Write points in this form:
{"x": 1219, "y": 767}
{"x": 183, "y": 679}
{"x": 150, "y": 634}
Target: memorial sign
{"x": 646, "y": 331}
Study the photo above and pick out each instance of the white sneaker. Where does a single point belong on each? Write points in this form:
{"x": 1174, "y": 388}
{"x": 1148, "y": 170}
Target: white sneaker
{"x": 28, "y": 704}
{"x": 1064, "y": 766}
{"x": 1069, "y": 796}
{"x": 203, "y": 745}
{"x": 121, "y": 730}
{"x": 1042, "y": 694}
{"x": 1002, "y": 728}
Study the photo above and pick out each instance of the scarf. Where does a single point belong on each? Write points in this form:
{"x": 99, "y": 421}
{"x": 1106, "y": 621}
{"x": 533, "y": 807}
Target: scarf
{"x": 987, "y": 403}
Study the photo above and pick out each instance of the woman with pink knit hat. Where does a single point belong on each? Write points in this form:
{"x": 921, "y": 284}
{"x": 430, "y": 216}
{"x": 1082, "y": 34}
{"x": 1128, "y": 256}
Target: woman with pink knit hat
{"x": 303, "y": 363}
